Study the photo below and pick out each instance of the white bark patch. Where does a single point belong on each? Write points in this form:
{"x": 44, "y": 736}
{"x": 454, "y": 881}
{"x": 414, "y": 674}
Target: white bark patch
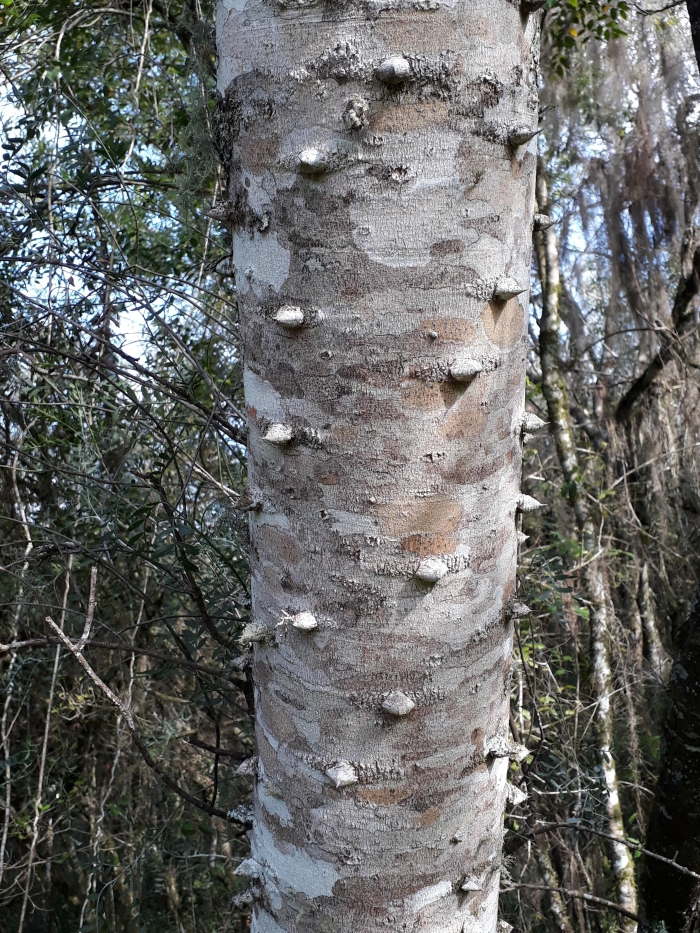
{"x": 431, "y": 894}
{"x": 398, "y": 229}
{"x": 264, "y": 923}
{"x": 274, "y": 805}
{"x": 262, "y": 397}
{"x": 274, "y": 519}
{"x": 292, "y": 868}
{"x": 265, "y": 257}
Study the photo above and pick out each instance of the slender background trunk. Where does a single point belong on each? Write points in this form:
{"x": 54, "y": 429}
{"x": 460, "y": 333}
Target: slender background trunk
{"x": 593, "y": 576}
{"x": 382, "y": 168}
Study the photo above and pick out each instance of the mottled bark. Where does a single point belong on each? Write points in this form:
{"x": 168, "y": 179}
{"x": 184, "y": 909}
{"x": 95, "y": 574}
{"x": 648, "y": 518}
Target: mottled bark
{"x": 556, "y": 396}
{"x": 382, "y": 163}
{"x": 668, "y": 895}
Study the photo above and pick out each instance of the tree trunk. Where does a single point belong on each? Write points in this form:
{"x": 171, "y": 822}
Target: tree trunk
{"x": 669, "y": 896}
{"x": 381, "y": 171}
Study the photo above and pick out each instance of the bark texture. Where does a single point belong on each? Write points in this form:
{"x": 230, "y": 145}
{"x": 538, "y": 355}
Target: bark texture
{"x": 669, "y": 896}
{"x": 382, "y": 169}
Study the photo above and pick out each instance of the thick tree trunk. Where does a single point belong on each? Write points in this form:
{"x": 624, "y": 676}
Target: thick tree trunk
{"x": 669, "y": 896}
{"x": 382, "y": 163}
{"x": 593, "y": 577}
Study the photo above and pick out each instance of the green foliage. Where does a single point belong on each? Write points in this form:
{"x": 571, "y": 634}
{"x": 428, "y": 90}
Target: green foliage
{"x": 122, "y": 450}
{"x": 571, "y": 23}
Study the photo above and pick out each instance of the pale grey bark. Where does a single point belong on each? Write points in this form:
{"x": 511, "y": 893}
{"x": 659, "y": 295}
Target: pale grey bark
{"x": 382, "y": 163}
{"x": 556, "y": 907}
{"x": 659, "y": 659}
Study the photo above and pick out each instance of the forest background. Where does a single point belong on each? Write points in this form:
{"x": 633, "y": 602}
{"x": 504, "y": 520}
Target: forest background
{"x": 122, "y": 474}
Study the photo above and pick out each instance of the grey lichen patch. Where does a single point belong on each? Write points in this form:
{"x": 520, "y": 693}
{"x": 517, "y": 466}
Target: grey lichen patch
{"x": 254, "y": 633}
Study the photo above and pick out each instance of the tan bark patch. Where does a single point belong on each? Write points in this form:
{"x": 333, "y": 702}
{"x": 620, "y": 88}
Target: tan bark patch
{"x": 434, "y": 516}
{"x": 452, "y": 330}
{"x": 382, "y": 796}
{"x": 281, "y": 544}
{"x": 504, "y": 324}
{"x": 261, "y": 152}
{"x": 465, "y": 420}
{"x": 390, "y": 118}
{"x": 423, "y": 545}
{"x": 421, "y": 396}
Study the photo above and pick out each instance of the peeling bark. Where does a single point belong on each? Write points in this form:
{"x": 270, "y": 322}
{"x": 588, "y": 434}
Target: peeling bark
{"x": 382, "y": 163}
